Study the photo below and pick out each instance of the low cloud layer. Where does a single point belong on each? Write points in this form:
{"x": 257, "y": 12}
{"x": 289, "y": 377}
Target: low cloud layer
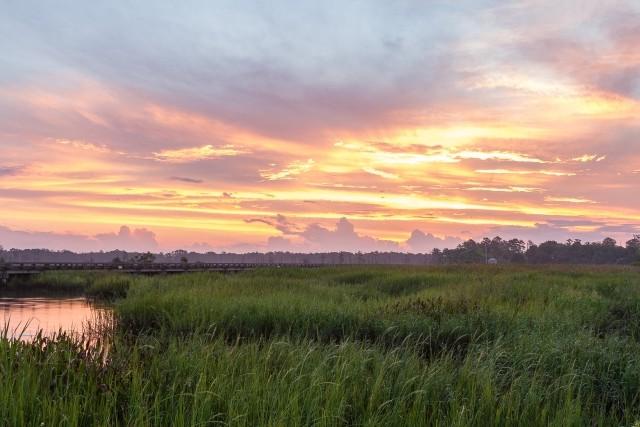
{"x": 313, "y": 237}
{"x": 9, "y": 170}
{"x": 125, "y": 239}
{"x": 419, "y": 242}
{"x": 343, "y": 237}
{"x": 562, "y": 230}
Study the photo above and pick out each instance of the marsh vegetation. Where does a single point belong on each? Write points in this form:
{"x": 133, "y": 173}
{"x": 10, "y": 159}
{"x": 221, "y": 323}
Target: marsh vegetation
{"x": 340, "y": 346}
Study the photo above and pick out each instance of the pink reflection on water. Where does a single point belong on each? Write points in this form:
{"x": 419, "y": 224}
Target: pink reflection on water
{"x": 26, "y": 316}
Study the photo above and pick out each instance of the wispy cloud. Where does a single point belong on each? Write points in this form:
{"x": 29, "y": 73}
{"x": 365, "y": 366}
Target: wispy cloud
{"x": 380, "y": 173}
{"x": 509, "y": 189}
{"x": 187, "y": 180}
{"x": 193, "y": 154}
{"x": 498, "y": 155}
{"x": 589, "y": 158}
{"x": 9, "y": 170}
{"x": 568, "y": 199}
{"x": 524, "y": 172}
{"x": 293, "y": 169}
{"x": 83, "y": 145}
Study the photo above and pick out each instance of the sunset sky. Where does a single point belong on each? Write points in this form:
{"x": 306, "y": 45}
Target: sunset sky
{"x": 308, "y": 126}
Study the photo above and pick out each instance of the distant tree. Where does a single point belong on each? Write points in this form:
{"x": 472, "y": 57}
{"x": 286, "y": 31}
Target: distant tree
{"x": 145, "y": 258}
{"x": 633, "y": 244}
{"x": 633, "y": 250}
{"x": 184, "y": 260}
{"x": 436, "y": 256}
{"x": 466, "y": 252}
{"x": 116, "y": 261}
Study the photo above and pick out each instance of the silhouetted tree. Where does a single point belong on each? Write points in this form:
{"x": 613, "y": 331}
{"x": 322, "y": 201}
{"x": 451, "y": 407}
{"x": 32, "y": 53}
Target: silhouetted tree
{"x": 145, "y": 258}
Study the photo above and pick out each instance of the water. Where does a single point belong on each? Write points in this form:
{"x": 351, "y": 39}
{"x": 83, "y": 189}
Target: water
{"x": 26, "y": 316}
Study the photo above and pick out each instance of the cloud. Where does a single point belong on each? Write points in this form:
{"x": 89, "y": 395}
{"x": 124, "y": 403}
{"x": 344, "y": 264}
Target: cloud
{"x": 83, "y": 145}
{"x": 383, "y": 174}
{"x": 200, "y": 247}
{"x": 609, "y": 62}
{"x": 293, "y": 169}
{"x": 561, "y": 230}
{"x": 568, "y": 199}
{"x": 628, "y": 229}
{"x": 343, "y": 237}
{"x": 317, "y": 238}
{"x": 589, "y": 158}
{"x": 384, "y": 152}
{"x": 419, "y": 242}
{"x": 524, "y": 172}
{"x": 185, "y": 179}
{"x": 125, "y": 239}
{"x": 140, "y": 239}
{"x": 280, "y": 244}
{"x": 9, "y": 170}
{"x": 206, "y": 152}
{"x": 498, "y": 155}
{"x": 509, "y": 189}
{"x": 248, "y": 75}
{"x": 280, "y": 223}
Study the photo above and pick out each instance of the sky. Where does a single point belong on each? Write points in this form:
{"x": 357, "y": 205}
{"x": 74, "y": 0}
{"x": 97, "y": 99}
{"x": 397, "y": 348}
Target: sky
{"x": 309, "y": 126}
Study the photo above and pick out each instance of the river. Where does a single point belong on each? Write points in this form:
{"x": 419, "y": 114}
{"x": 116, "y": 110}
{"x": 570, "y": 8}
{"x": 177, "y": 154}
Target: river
{"x": 23, "y": 317}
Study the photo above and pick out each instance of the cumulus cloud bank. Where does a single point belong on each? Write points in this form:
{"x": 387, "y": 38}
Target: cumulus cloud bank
{"x": 125, "y": 239}
{"x": 343, "y": 237}
{"x": 419, "y": 242}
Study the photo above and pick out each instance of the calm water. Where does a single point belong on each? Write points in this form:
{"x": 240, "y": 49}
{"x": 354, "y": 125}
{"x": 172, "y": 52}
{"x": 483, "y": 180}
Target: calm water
{"x": 26, "y": 316}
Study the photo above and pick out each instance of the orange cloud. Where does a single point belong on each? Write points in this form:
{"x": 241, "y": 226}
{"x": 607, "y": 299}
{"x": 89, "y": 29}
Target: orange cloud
{"x": 205, "y": 152}
{"x": 294, "y": 168}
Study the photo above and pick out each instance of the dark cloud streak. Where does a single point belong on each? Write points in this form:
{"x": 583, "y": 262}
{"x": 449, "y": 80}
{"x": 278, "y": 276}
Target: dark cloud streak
{"x": 187, "y": 180}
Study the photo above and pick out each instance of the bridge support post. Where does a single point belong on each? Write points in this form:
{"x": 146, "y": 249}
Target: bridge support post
{"x": 4, "y": 278}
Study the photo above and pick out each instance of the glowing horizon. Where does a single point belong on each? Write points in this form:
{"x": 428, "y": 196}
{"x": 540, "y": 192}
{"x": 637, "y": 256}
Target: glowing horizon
{"x": 254, "y": 127}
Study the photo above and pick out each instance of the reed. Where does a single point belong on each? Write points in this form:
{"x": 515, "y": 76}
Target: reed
{"x": 344, "y": 346}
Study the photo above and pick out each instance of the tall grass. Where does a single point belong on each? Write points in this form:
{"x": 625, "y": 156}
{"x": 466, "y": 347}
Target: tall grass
{"x": 100, "y": 285}
{"x": 346, "y": 346}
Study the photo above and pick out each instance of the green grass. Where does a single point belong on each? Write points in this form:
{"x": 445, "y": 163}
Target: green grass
{"x": 343, "y": 346}
{"x": 100, "y": 285}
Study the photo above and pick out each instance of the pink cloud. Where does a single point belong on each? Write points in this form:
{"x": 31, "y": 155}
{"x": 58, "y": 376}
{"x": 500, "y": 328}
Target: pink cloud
{"x": 125, "y": 239}
{"x": 343, "y": 237}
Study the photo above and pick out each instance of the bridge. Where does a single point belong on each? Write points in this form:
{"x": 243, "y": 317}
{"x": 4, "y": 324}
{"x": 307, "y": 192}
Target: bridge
{"x": 8, "y": 270}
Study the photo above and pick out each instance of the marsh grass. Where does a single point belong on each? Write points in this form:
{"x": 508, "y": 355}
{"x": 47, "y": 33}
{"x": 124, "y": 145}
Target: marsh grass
{"x": 344, "y": 346}
{"x": 98, "y": 285}
{"x": 52, "y": 282}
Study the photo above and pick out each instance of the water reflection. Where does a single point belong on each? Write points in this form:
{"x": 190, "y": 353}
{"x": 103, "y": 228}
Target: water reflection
{"x": 24, "y": 317}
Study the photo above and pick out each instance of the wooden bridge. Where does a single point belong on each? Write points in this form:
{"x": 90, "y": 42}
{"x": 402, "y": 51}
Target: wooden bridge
{"x": 8, "y": 270}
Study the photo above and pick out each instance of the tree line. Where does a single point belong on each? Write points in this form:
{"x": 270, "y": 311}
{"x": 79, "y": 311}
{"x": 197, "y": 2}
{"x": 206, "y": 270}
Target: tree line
{"x": 572, "y": 251}
{"x": 501, "y": 251}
